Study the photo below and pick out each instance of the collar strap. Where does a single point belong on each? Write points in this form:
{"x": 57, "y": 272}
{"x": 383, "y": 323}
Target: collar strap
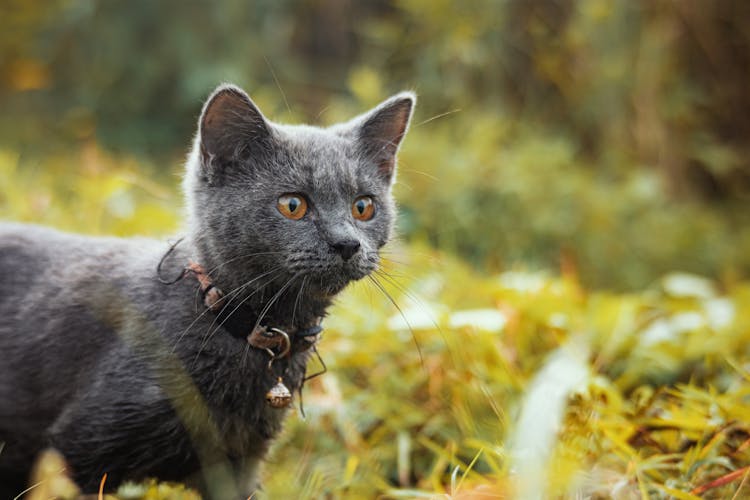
{"x": 212, "y": 296}
{"x": 277, "y": 341}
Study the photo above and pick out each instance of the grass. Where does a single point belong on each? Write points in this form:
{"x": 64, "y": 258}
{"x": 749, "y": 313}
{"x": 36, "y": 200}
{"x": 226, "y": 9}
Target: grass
{"x": 651, "y": 394}
{"x": 516, "y": 385}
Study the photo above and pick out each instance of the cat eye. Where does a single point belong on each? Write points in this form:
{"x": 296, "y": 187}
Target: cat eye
{"x": 363, "y": 208}
{"x": 292, "y": 206}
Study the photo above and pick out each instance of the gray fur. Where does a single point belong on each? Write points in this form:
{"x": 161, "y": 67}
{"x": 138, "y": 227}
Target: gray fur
{"x": 129, "y": 376}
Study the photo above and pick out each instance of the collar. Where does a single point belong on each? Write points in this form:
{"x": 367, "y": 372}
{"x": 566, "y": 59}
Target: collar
{"x": 279, "y": 341}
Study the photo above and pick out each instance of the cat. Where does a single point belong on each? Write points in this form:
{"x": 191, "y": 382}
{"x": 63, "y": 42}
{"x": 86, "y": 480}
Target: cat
{"x": 134, "y": 358}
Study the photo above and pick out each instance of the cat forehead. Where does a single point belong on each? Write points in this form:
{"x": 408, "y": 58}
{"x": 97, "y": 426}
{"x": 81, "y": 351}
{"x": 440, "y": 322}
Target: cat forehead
{"x": 307, "y": 139}
{"x": 320, "y": 155}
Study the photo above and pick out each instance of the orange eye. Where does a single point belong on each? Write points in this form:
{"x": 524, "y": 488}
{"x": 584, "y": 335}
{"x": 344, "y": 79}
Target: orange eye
{"x": 292, "y": 206}
{"x": 363, "y": 208}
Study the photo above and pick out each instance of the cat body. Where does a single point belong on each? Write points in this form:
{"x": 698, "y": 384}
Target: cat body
{"x": 124, "y": 370}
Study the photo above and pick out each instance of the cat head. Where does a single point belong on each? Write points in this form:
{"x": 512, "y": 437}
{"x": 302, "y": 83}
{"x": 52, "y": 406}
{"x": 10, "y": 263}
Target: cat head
{"x": 292, "y": 203}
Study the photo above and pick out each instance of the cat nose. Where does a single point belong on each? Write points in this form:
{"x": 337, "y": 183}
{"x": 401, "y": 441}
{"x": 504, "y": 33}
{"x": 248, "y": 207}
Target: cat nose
{"x": 346, "y": 248}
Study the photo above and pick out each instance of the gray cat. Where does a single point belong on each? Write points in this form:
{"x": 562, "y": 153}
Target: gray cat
{"x": 137, "y": 359}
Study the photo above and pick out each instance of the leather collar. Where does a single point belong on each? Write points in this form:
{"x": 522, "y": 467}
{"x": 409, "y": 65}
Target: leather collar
{"x": 278, "y": 341}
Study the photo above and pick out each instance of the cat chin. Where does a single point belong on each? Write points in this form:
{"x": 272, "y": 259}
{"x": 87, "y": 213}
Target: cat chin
{"x": 337, "y": 288}
{"x": 329, "y": 289}
{"x": 333, "y": 280}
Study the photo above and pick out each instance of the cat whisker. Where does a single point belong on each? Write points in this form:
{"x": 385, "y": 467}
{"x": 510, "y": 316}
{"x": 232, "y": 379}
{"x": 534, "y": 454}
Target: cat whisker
{"x": 203, "y": 313}
{"x": 229, "y": 297}
{"x": 265, "y": 310}
{"x": 273, "y": 300}
{"x": 244, "y": 256}
{"x": 214, "y": 327}
{"x": 419, "y": 172}
{"x": 416, "y": 300}
{"x": 395, "y": 251}
{"x": 393, "y": 278}
{"x": 273, "y": 74}
{"x": 389, "y": 260}
{"x": 378, "y": 152}
{"x": 380, "y": 287}
{"x": 210, "y": 333}
{"x": 297, "y": 299}
{"x": 396, "y": 275}
{"x": 441, "y": 115}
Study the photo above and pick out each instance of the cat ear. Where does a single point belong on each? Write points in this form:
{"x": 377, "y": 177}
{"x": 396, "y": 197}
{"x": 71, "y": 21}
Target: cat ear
{"x": 231, "y": 127}
{"x": 381, "y": 130}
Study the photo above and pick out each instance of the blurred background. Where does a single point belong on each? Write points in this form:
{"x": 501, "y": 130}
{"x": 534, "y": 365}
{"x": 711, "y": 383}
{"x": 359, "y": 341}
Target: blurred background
{"x": 565, "y": 159}
{"x": 604, "y": 138}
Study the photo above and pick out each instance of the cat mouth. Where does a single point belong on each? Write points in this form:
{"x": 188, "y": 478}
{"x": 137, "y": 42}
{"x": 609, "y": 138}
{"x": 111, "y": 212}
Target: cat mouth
{"x": 326, "y": 276}
{"x": 329, "y": 282}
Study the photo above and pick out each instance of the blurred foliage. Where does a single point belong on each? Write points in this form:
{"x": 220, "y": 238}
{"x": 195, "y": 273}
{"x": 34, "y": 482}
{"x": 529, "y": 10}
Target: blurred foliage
{"x": 606, "y": 135}
{"x": 663, "y": 412}
{"x": 102, "y": 195}
{"x": 561, "y": 149}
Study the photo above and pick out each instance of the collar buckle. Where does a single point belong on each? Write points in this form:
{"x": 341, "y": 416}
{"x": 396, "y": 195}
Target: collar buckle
{"x": 274, "y": 341}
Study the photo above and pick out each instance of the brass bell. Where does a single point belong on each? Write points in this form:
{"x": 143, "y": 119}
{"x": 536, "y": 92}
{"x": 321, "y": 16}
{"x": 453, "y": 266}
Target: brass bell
{"x": 279, "y": 395}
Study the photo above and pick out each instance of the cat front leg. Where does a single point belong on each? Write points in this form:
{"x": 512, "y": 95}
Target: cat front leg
{"x": 236, "y": 479}
{"x": 247, "y": 473}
